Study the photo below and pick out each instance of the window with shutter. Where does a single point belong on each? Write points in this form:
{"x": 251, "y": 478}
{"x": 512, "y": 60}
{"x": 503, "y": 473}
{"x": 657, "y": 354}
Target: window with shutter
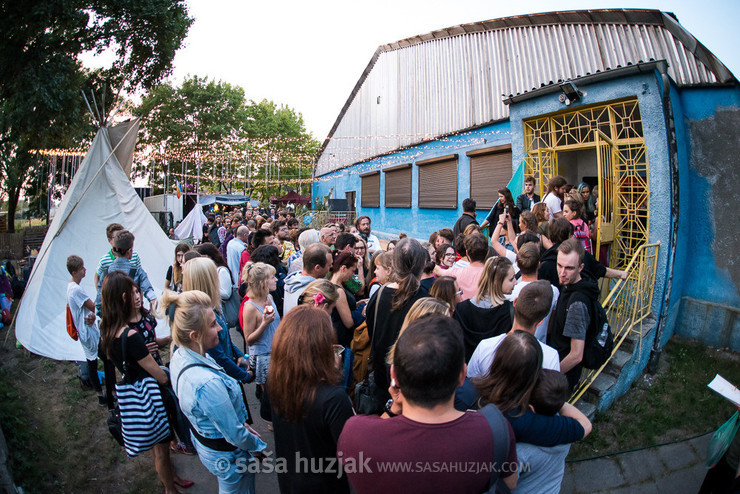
{"x": 438, "y": 182}
{"x": 490, "y": 170}
{"x": 370, "y": 194}
{"x": 398, "y": 187}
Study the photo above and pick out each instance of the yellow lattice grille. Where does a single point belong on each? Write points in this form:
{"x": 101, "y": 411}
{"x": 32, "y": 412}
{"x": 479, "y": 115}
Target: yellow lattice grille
{"x": 615, "y": 131}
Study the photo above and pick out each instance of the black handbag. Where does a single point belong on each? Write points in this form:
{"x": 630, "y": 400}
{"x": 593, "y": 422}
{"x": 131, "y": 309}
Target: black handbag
{"x": 114, "y": 424}
{"x": 367, "y": 400}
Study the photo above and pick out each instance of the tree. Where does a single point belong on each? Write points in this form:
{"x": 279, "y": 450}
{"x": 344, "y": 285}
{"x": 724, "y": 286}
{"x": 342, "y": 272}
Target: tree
{"x": 206, "y": 132}
{"x": 41, "y": 76}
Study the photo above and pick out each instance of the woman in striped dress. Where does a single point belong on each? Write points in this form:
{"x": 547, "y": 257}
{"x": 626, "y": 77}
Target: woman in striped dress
{"x": 117, "y": 307}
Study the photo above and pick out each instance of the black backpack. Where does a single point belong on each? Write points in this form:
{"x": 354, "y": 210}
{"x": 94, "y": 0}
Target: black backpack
{"x": 599, "y": 339}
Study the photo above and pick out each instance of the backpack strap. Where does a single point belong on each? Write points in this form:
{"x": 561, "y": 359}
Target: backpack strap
{"x": 186, "y": 368}
{"x": 500, "y": 430}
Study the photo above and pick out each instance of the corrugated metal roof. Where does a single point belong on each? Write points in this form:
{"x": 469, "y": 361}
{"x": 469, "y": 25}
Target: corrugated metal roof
{"x": 456, "y": 78}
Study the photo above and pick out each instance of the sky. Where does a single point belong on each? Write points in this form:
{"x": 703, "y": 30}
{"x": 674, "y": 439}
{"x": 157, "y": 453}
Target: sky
{"x": 309, "y": 55}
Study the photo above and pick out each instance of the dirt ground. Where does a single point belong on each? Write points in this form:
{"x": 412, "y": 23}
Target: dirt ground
{"x": 58, "y": 440}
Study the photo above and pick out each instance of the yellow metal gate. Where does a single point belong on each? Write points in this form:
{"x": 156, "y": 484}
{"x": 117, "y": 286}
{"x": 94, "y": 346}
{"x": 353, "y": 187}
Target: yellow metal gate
{"x": 614, "y": 130}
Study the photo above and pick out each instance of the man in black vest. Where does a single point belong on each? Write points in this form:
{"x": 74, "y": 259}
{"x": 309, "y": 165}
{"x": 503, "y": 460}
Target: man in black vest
{"x": 467, "y": 218}
{"x": 574, "y": 312}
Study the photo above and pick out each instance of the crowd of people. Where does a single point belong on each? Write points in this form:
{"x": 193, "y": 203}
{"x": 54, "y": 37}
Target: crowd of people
{"x": 461, "y": 351}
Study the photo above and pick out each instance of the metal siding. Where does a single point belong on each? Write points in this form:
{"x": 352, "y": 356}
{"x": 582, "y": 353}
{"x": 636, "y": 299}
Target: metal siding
{"x": 442, "y": 85}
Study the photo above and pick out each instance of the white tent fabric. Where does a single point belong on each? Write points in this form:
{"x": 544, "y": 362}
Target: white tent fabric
{"x": 191, "y": 226}
{"x": 99, "y": 194}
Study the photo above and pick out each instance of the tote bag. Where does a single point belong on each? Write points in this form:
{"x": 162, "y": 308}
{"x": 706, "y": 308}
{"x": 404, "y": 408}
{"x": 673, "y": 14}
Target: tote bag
{"x": 143, "y": 418}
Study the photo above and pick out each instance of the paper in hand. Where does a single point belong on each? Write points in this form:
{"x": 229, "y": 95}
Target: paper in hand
{"x": 726, "y": 389}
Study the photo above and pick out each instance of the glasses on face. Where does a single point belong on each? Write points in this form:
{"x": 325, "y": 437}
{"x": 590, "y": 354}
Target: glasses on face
{"x": 450, "y": 254}
{"x": 360, "y": 247}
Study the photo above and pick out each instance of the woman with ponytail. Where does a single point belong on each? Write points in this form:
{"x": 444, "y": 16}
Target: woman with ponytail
{"x": 211, "y": 399}
{"x": 201, "y": 274}
{"x": 393, "y": 301}
{"x": 488, "y": 314}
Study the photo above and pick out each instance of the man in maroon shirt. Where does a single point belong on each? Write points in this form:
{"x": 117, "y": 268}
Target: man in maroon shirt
{"x": 423, "y": 444}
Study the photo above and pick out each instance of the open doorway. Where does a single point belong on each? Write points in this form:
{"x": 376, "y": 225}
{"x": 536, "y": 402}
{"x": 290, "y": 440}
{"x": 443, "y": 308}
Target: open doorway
{"x": 578, "y": 166}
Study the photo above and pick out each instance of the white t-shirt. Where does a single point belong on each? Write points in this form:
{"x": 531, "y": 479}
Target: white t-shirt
{"x": 511, "y": 255}
{"x": 541, "y": 331}
{"x": 480, "y": 362}
{"x": 553, "y": 204}
{"x": 89, "y": 336}
{"x": 373, "y": 243}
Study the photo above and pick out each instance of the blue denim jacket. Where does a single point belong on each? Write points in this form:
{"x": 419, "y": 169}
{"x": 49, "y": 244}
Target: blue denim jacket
{"x": 211, "y": 400}
{"x": 225, "y": 353}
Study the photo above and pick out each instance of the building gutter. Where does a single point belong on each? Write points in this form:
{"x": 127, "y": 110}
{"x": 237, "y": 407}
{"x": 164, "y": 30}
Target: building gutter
{"x": 657, "y": 349}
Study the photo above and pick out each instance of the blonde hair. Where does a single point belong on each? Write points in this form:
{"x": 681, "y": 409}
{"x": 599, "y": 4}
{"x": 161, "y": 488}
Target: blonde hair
{"x": 256, "y": 275}
{"x": 201, "y": 274}
{"x": 191, "y": 310}
{"x": 491, "y": 280}
{"x": 422, "y": 307}
{"x": 322, "y": 286}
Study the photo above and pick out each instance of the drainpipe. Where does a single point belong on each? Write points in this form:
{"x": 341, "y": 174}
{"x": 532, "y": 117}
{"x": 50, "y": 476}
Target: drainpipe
{"x": 656, "y": 350}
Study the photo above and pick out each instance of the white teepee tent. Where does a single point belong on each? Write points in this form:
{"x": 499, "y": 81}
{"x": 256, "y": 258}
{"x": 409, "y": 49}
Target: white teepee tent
{"x": 99, "y": 194}
{"x": 192, "y": 225}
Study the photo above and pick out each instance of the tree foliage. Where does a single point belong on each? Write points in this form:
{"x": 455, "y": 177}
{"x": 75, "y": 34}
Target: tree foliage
{"x": 41, "y": 75}
{"x": 208, "y": 130}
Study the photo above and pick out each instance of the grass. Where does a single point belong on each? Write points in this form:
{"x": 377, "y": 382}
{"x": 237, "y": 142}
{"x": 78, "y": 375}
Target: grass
{"x": 56, "y": 433}
{"x": 674, "y": 404}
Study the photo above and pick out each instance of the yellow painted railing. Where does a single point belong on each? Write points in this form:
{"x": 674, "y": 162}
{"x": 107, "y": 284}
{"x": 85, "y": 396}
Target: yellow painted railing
{"x": 627, "y": 306}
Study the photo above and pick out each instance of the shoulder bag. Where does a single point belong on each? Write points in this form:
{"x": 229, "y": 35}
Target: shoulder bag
{"x": 140, "y": 415}
{"x": 366, "y": 395}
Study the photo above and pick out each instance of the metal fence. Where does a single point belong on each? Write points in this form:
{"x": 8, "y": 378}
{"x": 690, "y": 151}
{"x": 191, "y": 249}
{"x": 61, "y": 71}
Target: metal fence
{"x": 627, "y": 306}
{"x": 321, "y": 218}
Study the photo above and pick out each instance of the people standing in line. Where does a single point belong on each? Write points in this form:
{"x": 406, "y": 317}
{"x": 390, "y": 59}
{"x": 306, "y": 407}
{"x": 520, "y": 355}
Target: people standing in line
{"x": 445, "y": 256}
{"x": 528, "y": 261}
{"x": 554, "y": 198}
{"x": 421, "y": 423}
{"x": 526, "y": 201}
{"x": 573, "y": 212}
{"x": 305, "y": 239}
{"x": 308, "y": 407}
{"x": 530, "y": 309}
{"x": 476, "y": 249}
{"x": 201, "y": 275}
{"x": 173, "y": 278}
{"x": 347, "y": 314}
{"x": 328, "y": 236}
{"x": 445, "y": 289}
{"x": 117, "y": 295}
{"x": 234, "y": 250}
{"x": 110, "y": 233}
{"x": 225, "y": 286}
{"x": 379, "y": 272}
{"x": 280, "y": 230}
{"x": 542, "y": 215}
{"x": 317, "y": 261}
{"x": 487, "y": 314}
{"x": 394, "y": 301}
{"x": 81, "y": 311}
{"x": 259, "y": 317}
{"x": 362, "y": 223}
{"x": 123, "y": 250}
{"x": 574, "y": 313}
{"x": 505, "y": 204}
{"x": 210, "y": 399}
{"x": 467, "y": 218}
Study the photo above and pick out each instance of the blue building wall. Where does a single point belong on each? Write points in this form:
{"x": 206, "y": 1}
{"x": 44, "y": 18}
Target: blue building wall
{"x": 707, "y": 272}
{"x": 648, "y": 90}
{"x": 415, "y": 222}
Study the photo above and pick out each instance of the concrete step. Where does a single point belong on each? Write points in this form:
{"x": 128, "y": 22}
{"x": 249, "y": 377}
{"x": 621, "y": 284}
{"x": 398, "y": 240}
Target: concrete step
{"x": 617, "y": 362}
{"x": 630, "y": 343}
{"x": 588, "y": 409}
{"x": 602, "y": 383}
